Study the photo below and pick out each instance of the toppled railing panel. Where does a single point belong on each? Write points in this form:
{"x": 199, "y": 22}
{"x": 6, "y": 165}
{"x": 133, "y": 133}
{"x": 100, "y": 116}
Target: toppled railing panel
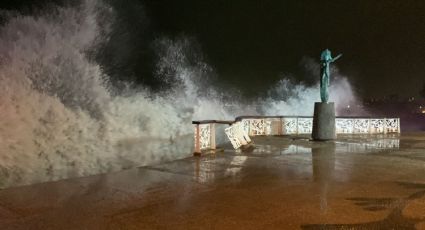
{"x": 237, "y": 135}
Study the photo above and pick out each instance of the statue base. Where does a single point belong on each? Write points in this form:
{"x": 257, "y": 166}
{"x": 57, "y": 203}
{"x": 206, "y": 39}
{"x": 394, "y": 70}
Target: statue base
{"x": 324, "y": 121}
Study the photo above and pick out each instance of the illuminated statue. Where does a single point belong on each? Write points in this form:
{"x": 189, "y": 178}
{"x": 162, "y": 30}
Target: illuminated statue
{"x": 325, "y": 59}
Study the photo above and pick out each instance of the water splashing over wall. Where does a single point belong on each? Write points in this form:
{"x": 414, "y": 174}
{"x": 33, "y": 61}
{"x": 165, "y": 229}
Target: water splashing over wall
{"x": 60, "y": 119}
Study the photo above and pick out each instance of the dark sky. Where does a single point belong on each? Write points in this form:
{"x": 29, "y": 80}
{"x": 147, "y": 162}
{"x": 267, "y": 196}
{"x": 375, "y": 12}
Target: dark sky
{"x": 251, "y": 43}
{"x": 383, "y": 41}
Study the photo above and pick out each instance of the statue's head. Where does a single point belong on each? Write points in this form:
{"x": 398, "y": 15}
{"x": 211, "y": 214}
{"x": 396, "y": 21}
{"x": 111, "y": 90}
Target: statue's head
{"x": 326, "y": 55}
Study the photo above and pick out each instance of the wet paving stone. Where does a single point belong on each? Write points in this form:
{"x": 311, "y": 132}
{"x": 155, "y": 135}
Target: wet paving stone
{"x": 354, "y": 182}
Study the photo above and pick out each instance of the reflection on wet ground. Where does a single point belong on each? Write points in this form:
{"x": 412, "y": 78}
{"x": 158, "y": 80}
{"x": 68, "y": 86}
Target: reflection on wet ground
{"x": 394, "y": 220}
{"x": 355, "y": 182}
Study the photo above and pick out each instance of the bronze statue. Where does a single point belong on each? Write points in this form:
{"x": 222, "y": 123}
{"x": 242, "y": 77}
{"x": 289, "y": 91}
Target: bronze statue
{"x": 326, "y": 59}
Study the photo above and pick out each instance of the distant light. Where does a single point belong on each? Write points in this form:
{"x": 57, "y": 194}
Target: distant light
{"x": 348, "y": 106}
{"x": 423, "y": 111}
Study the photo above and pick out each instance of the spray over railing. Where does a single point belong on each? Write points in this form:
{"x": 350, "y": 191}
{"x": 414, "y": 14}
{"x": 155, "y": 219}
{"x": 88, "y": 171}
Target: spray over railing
{"x": 240, "y": 130}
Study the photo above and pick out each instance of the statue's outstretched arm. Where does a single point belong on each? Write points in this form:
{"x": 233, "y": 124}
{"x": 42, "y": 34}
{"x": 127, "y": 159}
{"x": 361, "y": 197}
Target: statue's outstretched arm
{"x": 335, "y": 58}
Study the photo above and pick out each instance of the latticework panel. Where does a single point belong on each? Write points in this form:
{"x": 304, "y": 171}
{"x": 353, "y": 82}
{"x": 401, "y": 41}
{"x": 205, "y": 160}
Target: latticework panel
{"x": 392, "y": 125}
{"x": 245, "y": 126}
{"x": 305, "y": 125}
{"x": 204, "y": 136}
{"x": 377, "y": 126}
{"x": 257, "y": 127}
{"x": 361, "y": 126}
{"x": 232, "y": 135}
{"x": 343, "y": 125}
{"x": 289, "y": 126}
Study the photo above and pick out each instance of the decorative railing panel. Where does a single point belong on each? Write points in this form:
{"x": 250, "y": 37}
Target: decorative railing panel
{"x": 240, "y": 130}
{"x": 361, "y": 126}
{"x": 392, "y": 125}
{"x": 377, "y": 126}
{"x": 344, "y": 125}
{"x": 245, "y": 126}
{"x": 257, "y": 127}
{"x": 237, "y": 135}
{"x": 203, "y": 136}
{"x": 305, "y": 125}
{"x": 268, "y": 127}
{"x": 232, "y": 135}
{"x": 290, "y": 125}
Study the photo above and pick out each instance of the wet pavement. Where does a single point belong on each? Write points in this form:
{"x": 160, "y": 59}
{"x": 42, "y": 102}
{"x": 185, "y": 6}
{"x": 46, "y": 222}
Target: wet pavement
{"x": 355, "y": 182}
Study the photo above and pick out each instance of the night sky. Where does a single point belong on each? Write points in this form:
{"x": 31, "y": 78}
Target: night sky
{"x": 250, "y": 44}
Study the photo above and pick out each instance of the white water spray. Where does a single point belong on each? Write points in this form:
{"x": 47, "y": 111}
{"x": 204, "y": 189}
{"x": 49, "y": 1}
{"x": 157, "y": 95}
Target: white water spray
{"x": 59, "y": 120}
{"x": 57, "y": 117}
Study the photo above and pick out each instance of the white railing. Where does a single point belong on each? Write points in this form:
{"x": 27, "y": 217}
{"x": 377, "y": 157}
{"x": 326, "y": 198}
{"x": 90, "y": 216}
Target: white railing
{"x": 205, "y": 134}
{"x": 242, "y": 128}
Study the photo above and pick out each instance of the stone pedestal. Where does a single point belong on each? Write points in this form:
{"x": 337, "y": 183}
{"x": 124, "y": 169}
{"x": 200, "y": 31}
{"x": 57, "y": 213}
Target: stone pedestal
{"x": 324, "y": 121}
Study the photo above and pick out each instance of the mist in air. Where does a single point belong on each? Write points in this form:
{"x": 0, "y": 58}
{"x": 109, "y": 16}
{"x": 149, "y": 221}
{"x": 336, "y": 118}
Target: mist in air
{"x": 62, "y": 115}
